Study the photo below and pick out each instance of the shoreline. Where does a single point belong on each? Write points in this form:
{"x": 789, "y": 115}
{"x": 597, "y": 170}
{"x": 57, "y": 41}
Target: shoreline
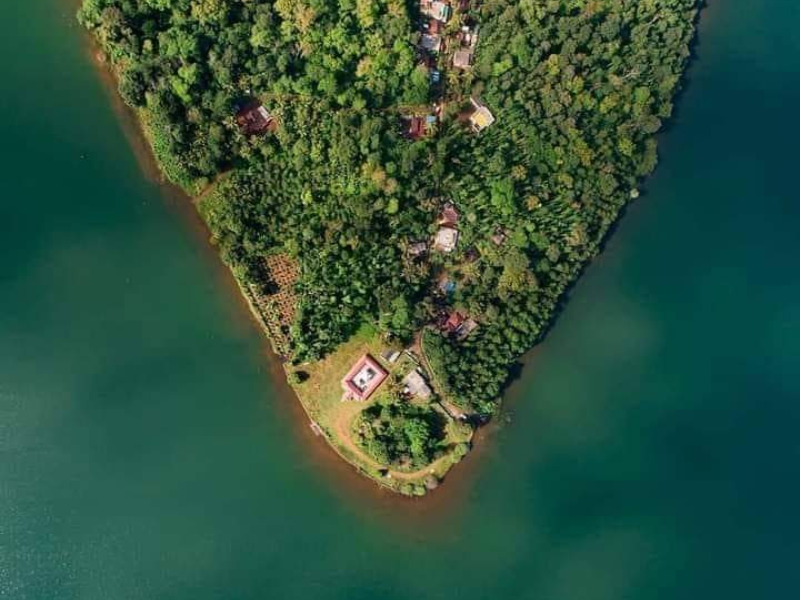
{"x": 325, "y": 455}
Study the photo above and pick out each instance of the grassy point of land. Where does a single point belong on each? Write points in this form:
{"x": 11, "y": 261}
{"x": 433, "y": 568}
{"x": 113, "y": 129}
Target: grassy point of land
{"x": 343, "y": 181}
{"x": 318, "y": 386}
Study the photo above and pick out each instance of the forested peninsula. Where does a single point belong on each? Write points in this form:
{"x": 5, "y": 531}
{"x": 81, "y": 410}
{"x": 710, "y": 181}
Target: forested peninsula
{"x": 404, "y": 190}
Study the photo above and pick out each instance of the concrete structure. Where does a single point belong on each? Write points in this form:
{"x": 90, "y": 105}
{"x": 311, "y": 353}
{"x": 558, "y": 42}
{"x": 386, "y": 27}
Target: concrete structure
{"x": 363, "y": 379}
{"x": 480, "y": 118}
{"x": 436, "y": 9}
{"x": 416, "y": 385}
{"x": 446, "y": 239}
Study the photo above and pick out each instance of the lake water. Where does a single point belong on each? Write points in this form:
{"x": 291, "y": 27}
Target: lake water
{"x": 651, "y": 449}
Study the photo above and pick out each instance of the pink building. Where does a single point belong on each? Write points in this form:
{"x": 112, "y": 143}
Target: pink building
{"x": 363, "y": 379}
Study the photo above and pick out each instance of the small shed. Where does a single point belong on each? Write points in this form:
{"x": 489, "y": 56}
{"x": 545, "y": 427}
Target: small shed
{"x": 472, "y": 254}
{"x": 499, "y": 237}
{"x": 447, "y": 286}
{"x": 390, "y": 355}
{"x": 415, "y": 128}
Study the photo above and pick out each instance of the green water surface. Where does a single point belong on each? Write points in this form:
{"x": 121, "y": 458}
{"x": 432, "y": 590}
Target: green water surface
{"x": 652, "y": 452}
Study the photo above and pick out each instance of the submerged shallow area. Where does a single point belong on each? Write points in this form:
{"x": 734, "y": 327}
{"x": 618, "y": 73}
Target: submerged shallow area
{"x": 149, "y": 451}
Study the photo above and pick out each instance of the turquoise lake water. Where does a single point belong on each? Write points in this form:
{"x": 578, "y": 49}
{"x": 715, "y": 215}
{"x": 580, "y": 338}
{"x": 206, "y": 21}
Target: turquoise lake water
{"x": 649, "y": 449}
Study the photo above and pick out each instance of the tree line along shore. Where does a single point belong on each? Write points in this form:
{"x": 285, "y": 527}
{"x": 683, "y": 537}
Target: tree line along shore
{"x": 404, "y": 191}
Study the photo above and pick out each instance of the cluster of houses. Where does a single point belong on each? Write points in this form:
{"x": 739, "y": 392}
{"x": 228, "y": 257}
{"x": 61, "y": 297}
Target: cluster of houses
{"x": 433, "y": 42}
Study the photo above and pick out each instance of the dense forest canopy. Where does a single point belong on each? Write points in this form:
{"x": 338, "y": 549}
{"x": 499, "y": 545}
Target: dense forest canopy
{"x": 578, "y": 89}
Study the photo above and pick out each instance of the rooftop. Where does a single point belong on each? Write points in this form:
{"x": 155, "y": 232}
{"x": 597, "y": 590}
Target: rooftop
{"x": 254, "y": 118}
{"x": 363, "y": 378}
{"x": 462, "y": 59}
{"x": 481, "y": 118}
{"x": 454, "y": 322}
{"x": 446, "y": 239}
{"x": 416, "y": 385}
{"x": 449, "y": 214}
{"x": 431, "y": 43}
{"x": 440, "y": 11}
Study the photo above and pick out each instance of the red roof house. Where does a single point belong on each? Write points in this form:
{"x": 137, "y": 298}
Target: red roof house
{"x": 254, "y": 119}
{"x": 449, "y": 215}
{"x": 363, "y": 378}
{"x": 416, "y": 128}
{"x": 454, "y": 322}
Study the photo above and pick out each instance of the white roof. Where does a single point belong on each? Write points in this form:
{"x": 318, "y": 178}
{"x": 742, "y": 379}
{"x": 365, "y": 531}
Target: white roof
{"x": 446, "y": 239}
{"x": 417, "y": 385}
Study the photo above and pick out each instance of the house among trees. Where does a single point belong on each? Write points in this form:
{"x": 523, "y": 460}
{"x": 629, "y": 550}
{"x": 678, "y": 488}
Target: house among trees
{"x": 449, "y": 215}
{"x": 462, "y": 58}
{"x": 480, "y": 118}
{"x": 456, "y": 324}
{"x": 441, "y": 11}
{"x": 469, "y": 36}
{"x": 418, "y": 127}
{"x": 254, "y": 119}
{"x": 415, "y": 385}
{"x": 431, "y": 42}
{"x": 446, "y": 239}
{"x": 453, "y": 322}
{"x": 467, "y": 327}
{"x": 363, "y": 379}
